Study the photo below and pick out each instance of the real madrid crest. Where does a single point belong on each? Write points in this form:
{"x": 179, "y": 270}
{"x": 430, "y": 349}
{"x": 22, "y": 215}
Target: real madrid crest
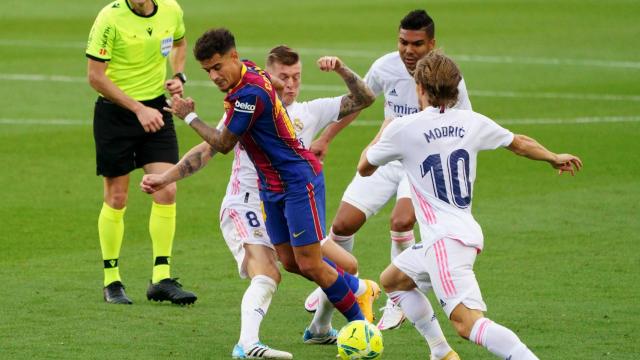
{"x": 298, "y": 125}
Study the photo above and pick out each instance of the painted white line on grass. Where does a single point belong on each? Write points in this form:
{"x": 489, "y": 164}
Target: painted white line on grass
{"x": 368, "y": 54}
{"x": 341, "y": 89}
{"x": 541, "y": 121}
{"x": 368, "y": 123}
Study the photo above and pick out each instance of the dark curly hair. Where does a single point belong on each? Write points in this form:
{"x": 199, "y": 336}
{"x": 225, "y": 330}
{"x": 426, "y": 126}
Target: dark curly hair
{"x": 214, "y": 41}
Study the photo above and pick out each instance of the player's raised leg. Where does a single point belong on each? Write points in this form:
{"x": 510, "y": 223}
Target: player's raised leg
{"x": 162, "y": 227}
{"x": 403, "y": 291}
{"x": 111, "y": 233}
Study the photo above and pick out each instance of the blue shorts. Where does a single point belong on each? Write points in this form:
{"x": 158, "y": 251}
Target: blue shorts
{"x": 296, "y": 216}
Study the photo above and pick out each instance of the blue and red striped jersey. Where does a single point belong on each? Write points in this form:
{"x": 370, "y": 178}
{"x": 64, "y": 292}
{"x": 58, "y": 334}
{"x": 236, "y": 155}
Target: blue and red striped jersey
{"x": 256, "y": 115}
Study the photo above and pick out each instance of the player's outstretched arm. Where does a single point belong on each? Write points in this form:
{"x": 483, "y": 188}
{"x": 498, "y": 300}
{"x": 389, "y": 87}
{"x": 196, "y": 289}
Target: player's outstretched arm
{"x": 359, "y": 96}
{"x": 194, "y": 160}
{"x": 220, "y": 140}
{"x": 530, "y": 148}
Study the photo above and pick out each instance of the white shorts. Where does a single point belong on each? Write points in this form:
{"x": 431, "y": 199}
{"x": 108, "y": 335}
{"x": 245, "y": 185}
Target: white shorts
{"x": 447, "y": 268}
{"x": 242, "y": 223}
{"x": 369, "y": 194}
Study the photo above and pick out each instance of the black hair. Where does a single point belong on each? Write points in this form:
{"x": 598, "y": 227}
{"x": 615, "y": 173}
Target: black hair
{"x": 214, "y": 41}
{"x": 419, "y": 20}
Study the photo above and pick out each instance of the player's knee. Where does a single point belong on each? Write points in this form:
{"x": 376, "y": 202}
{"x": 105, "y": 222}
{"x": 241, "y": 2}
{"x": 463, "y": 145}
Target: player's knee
{"x": 311, "y": 269}
{"x": 402, "y": 222}
{"x": 343, "y": 227}
{"x": 290, "y": 265}
{"x": 351, "y": 266}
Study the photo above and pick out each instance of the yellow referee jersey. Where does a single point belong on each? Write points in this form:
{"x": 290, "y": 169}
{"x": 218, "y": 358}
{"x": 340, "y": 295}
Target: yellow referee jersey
{"x": 136, "y": 46}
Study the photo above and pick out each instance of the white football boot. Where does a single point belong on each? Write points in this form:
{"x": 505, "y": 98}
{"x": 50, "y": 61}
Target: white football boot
{"x": 392, "y": 316}
{"x": 259, "y": 351}
{"x": 312, "y": 301}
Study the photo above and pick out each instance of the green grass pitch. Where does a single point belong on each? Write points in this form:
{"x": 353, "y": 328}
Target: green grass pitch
{"x": 561, "y": 263}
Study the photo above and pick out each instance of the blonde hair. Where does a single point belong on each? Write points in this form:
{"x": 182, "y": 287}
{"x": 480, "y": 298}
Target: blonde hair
{"x": 439, "y": 76}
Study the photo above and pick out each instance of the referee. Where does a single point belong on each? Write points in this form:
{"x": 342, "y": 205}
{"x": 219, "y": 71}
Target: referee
{"x": 127, "y": 53}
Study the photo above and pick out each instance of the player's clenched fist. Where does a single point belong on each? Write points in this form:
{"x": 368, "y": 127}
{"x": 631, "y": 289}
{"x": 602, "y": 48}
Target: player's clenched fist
{"x": 329, "y": 63}
{"x": 152, "y": 182}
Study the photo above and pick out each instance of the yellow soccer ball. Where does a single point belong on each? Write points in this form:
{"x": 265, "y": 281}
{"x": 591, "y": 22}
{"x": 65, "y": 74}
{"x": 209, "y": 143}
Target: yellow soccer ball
{"x": 359, "y": 340}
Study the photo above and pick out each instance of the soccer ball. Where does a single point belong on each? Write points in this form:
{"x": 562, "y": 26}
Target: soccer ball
{"x": 359, "y": 340}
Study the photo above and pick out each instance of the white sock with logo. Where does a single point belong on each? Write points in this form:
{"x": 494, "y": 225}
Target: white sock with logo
{"x": 255, "y": 304}
{"x": 418, "y": 310}
{"x": 321, "y": 323}
{"x": 499, "y": 340}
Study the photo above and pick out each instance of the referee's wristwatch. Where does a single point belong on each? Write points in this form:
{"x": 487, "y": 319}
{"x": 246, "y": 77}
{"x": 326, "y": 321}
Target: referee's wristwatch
{"x": 181, "y": 76}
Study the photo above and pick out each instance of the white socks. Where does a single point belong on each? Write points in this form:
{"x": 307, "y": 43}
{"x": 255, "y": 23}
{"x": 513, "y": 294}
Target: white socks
{"x": 400, "y": 241}
{"x": 321, "y": 323}
{"x": 255, "y": 303}
{"x": 499, "y": 340}
{"x": 345, "y": 242}
{"x": 418, "y": 310}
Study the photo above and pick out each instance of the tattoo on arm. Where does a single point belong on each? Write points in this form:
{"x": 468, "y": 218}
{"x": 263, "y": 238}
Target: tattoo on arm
{"x": 220, "y": 141}
{"x": 190, "y": 164}
{"x": 359, "y": 97}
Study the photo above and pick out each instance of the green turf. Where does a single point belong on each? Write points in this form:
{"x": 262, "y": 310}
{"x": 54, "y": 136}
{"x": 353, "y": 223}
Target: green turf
{"x": 561, "y": 261}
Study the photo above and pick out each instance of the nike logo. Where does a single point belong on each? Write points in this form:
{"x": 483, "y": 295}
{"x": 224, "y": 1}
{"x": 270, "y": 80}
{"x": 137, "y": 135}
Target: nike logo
{"x": 314, "y": 303}
{"x": 296, "y": 235}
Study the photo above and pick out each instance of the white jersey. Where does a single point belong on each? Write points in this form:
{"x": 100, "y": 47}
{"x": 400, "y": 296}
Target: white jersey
{"x": 308, "y": 118}
{"x": 389, "y": 76}
{"x": 438, "y": 151}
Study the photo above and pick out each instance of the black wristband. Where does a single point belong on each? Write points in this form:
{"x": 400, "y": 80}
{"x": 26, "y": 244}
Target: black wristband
{"x": 181, "y": 76}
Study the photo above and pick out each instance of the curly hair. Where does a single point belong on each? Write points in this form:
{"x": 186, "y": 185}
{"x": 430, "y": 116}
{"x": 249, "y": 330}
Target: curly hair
{"x": 214, "y": 41}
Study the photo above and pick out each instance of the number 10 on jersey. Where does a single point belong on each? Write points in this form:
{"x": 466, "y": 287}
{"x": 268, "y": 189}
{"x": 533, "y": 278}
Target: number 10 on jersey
{"x": 458, "y": 166}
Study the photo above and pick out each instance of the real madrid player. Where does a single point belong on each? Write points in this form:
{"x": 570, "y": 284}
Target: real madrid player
{"x": 127, "y": 52}
{"x": 438, "y": 149}
{"x": 251, "y": 241}
{"x": 390, "y": 75}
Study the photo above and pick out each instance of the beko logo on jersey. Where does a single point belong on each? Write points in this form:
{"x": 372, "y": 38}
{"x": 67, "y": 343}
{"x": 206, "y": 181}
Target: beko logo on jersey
{"x": 244, "y": 107}
{"x": 444, "y": 131}
{"x": 402, "y": 109}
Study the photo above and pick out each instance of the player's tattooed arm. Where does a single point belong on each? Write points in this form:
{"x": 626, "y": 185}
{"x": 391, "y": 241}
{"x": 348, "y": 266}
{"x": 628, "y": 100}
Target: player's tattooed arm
{"x": 220, "y": 140}
{"x": 359, "y": 96}
{"x": 194, "y": 160}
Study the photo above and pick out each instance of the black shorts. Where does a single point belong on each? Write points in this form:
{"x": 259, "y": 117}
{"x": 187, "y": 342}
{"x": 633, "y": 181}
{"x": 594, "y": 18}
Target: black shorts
{"x": 122, "y": 145}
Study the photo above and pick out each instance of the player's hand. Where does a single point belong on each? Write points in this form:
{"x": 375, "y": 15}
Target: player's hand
{"x": 150, "y": 119}
{"x": 567, "y": 163}
{"x": 329, "y": 63}
{"x": 180, "y": 107}
{"x": 152, "y": 182}
{"x": 174, "y": 87}
{"x": 319, "y": 148}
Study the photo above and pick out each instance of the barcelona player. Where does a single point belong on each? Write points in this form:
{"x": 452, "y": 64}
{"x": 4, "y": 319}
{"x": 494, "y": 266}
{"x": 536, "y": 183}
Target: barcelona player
{"x": 290, "y": 177}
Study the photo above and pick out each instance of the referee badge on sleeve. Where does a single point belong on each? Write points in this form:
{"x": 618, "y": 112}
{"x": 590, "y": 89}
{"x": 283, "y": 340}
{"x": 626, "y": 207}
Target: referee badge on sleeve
{"x": 166, "y": 45}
